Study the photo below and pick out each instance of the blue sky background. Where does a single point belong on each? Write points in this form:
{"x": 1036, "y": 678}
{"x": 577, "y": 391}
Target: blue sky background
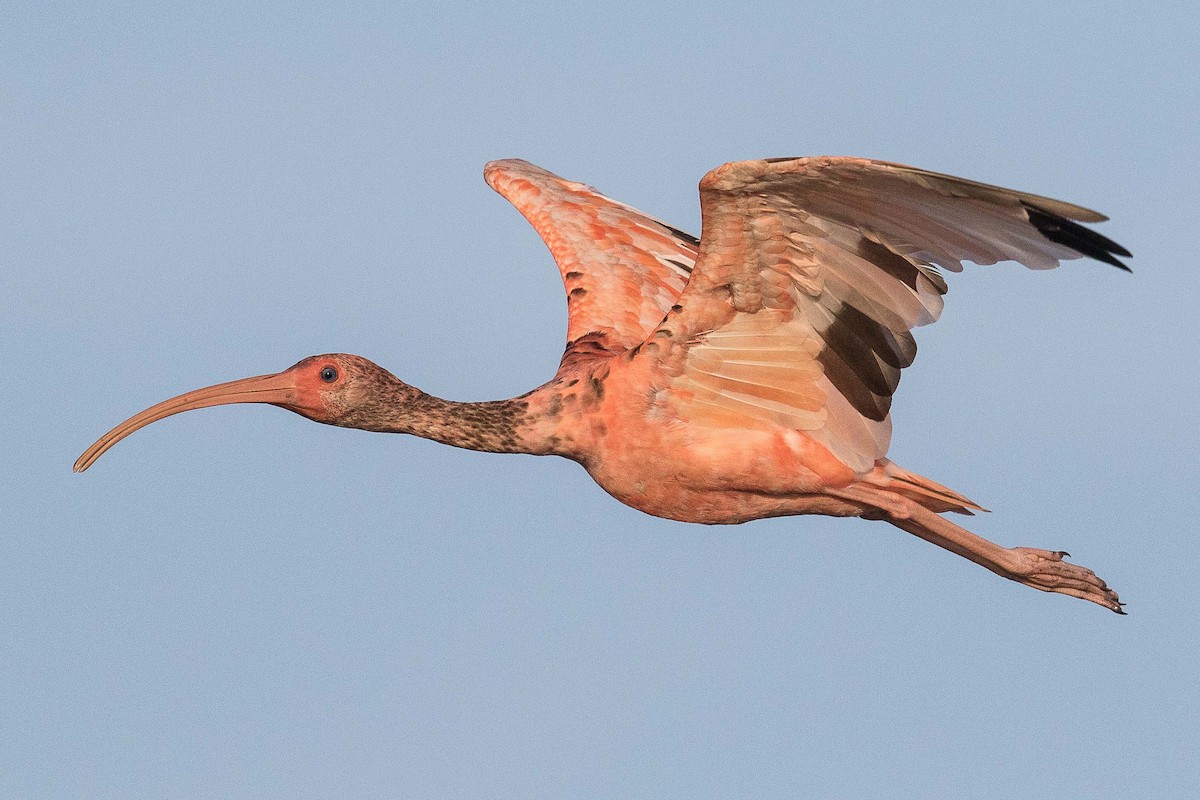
{"x": 240, "y": 603}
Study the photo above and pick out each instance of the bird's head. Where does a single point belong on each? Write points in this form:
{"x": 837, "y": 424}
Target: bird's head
{"x": 336, "y": 388}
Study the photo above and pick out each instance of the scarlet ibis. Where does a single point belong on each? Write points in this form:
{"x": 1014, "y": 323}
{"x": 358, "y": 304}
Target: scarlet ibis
{"x": 745, "y": 374}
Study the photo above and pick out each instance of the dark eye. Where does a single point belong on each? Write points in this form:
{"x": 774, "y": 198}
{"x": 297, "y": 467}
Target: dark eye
{"x": 329, "y": 374}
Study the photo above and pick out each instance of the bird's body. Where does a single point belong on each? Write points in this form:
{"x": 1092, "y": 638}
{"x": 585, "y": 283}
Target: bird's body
{"x": 605, "y": 415}
{"x": 743, "y": 375}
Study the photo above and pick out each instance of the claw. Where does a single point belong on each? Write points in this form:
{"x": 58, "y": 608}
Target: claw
{"x": 1046, "y": 570}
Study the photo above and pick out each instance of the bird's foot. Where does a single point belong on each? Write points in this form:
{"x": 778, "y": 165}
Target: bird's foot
{"x": 1046, "y": 570}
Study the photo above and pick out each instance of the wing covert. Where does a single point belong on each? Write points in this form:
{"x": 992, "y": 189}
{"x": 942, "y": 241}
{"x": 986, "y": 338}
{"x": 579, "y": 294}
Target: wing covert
{"x": 621, "y": 269}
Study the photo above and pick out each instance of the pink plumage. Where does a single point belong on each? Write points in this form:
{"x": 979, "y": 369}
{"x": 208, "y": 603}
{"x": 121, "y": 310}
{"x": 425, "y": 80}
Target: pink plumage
{"x": 745, "y": 374}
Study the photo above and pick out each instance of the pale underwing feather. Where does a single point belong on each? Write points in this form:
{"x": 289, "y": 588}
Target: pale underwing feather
{"x": 840, "y": 254}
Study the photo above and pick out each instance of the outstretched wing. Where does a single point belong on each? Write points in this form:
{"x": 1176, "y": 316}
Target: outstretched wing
{"x": 813, "y": 271}
{"x": 621, "y": 269}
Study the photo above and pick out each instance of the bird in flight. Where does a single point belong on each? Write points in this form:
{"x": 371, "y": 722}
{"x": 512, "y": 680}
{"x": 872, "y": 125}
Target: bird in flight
{"x": 745, "y": 374}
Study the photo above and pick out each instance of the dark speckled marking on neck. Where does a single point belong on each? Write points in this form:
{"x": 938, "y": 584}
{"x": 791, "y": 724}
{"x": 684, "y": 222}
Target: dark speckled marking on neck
{"x": 393, "y": 406}
{"x": 493, "y": 427}
{"x": 595, "y": 387}
{"x": 554, "y": 406}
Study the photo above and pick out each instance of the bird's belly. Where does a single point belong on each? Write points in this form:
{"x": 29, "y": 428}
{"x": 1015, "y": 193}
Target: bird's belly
{"x": 721, "y": 476}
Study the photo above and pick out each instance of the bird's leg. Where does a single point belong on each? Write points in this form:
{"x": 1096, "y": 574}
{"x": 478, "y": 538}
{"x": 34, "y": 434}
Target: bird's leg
{"x": 1042, "y": 569}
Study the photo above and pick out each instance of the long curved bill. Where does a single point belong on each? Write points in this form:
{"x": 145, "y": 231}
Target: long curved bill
{"x": 279, "y": 388}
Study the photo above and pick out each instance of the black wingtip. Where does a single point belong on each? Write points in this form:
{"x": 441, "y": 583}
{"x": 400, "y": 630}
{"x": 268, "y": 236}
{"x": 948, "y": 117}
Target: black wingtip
{"x": 1084, "y": 241}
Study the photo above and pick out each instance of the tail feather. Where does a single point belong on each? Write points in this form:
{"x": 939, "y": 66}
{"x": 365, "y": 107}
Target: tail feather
{"x": 921, "y": 490}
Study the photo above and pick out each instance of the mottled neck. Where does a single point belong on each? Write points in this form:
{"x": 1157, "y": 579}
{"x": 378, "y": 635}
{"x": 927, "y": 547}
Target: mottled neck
{"x": 391, "y": 406}
{"x": 497, "y": 426}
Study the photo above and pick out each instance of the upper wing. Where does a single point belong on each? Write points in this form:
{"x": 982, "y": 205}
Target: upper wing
{"x": 812, "y": 272}
{"x": 622, "y": 269}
